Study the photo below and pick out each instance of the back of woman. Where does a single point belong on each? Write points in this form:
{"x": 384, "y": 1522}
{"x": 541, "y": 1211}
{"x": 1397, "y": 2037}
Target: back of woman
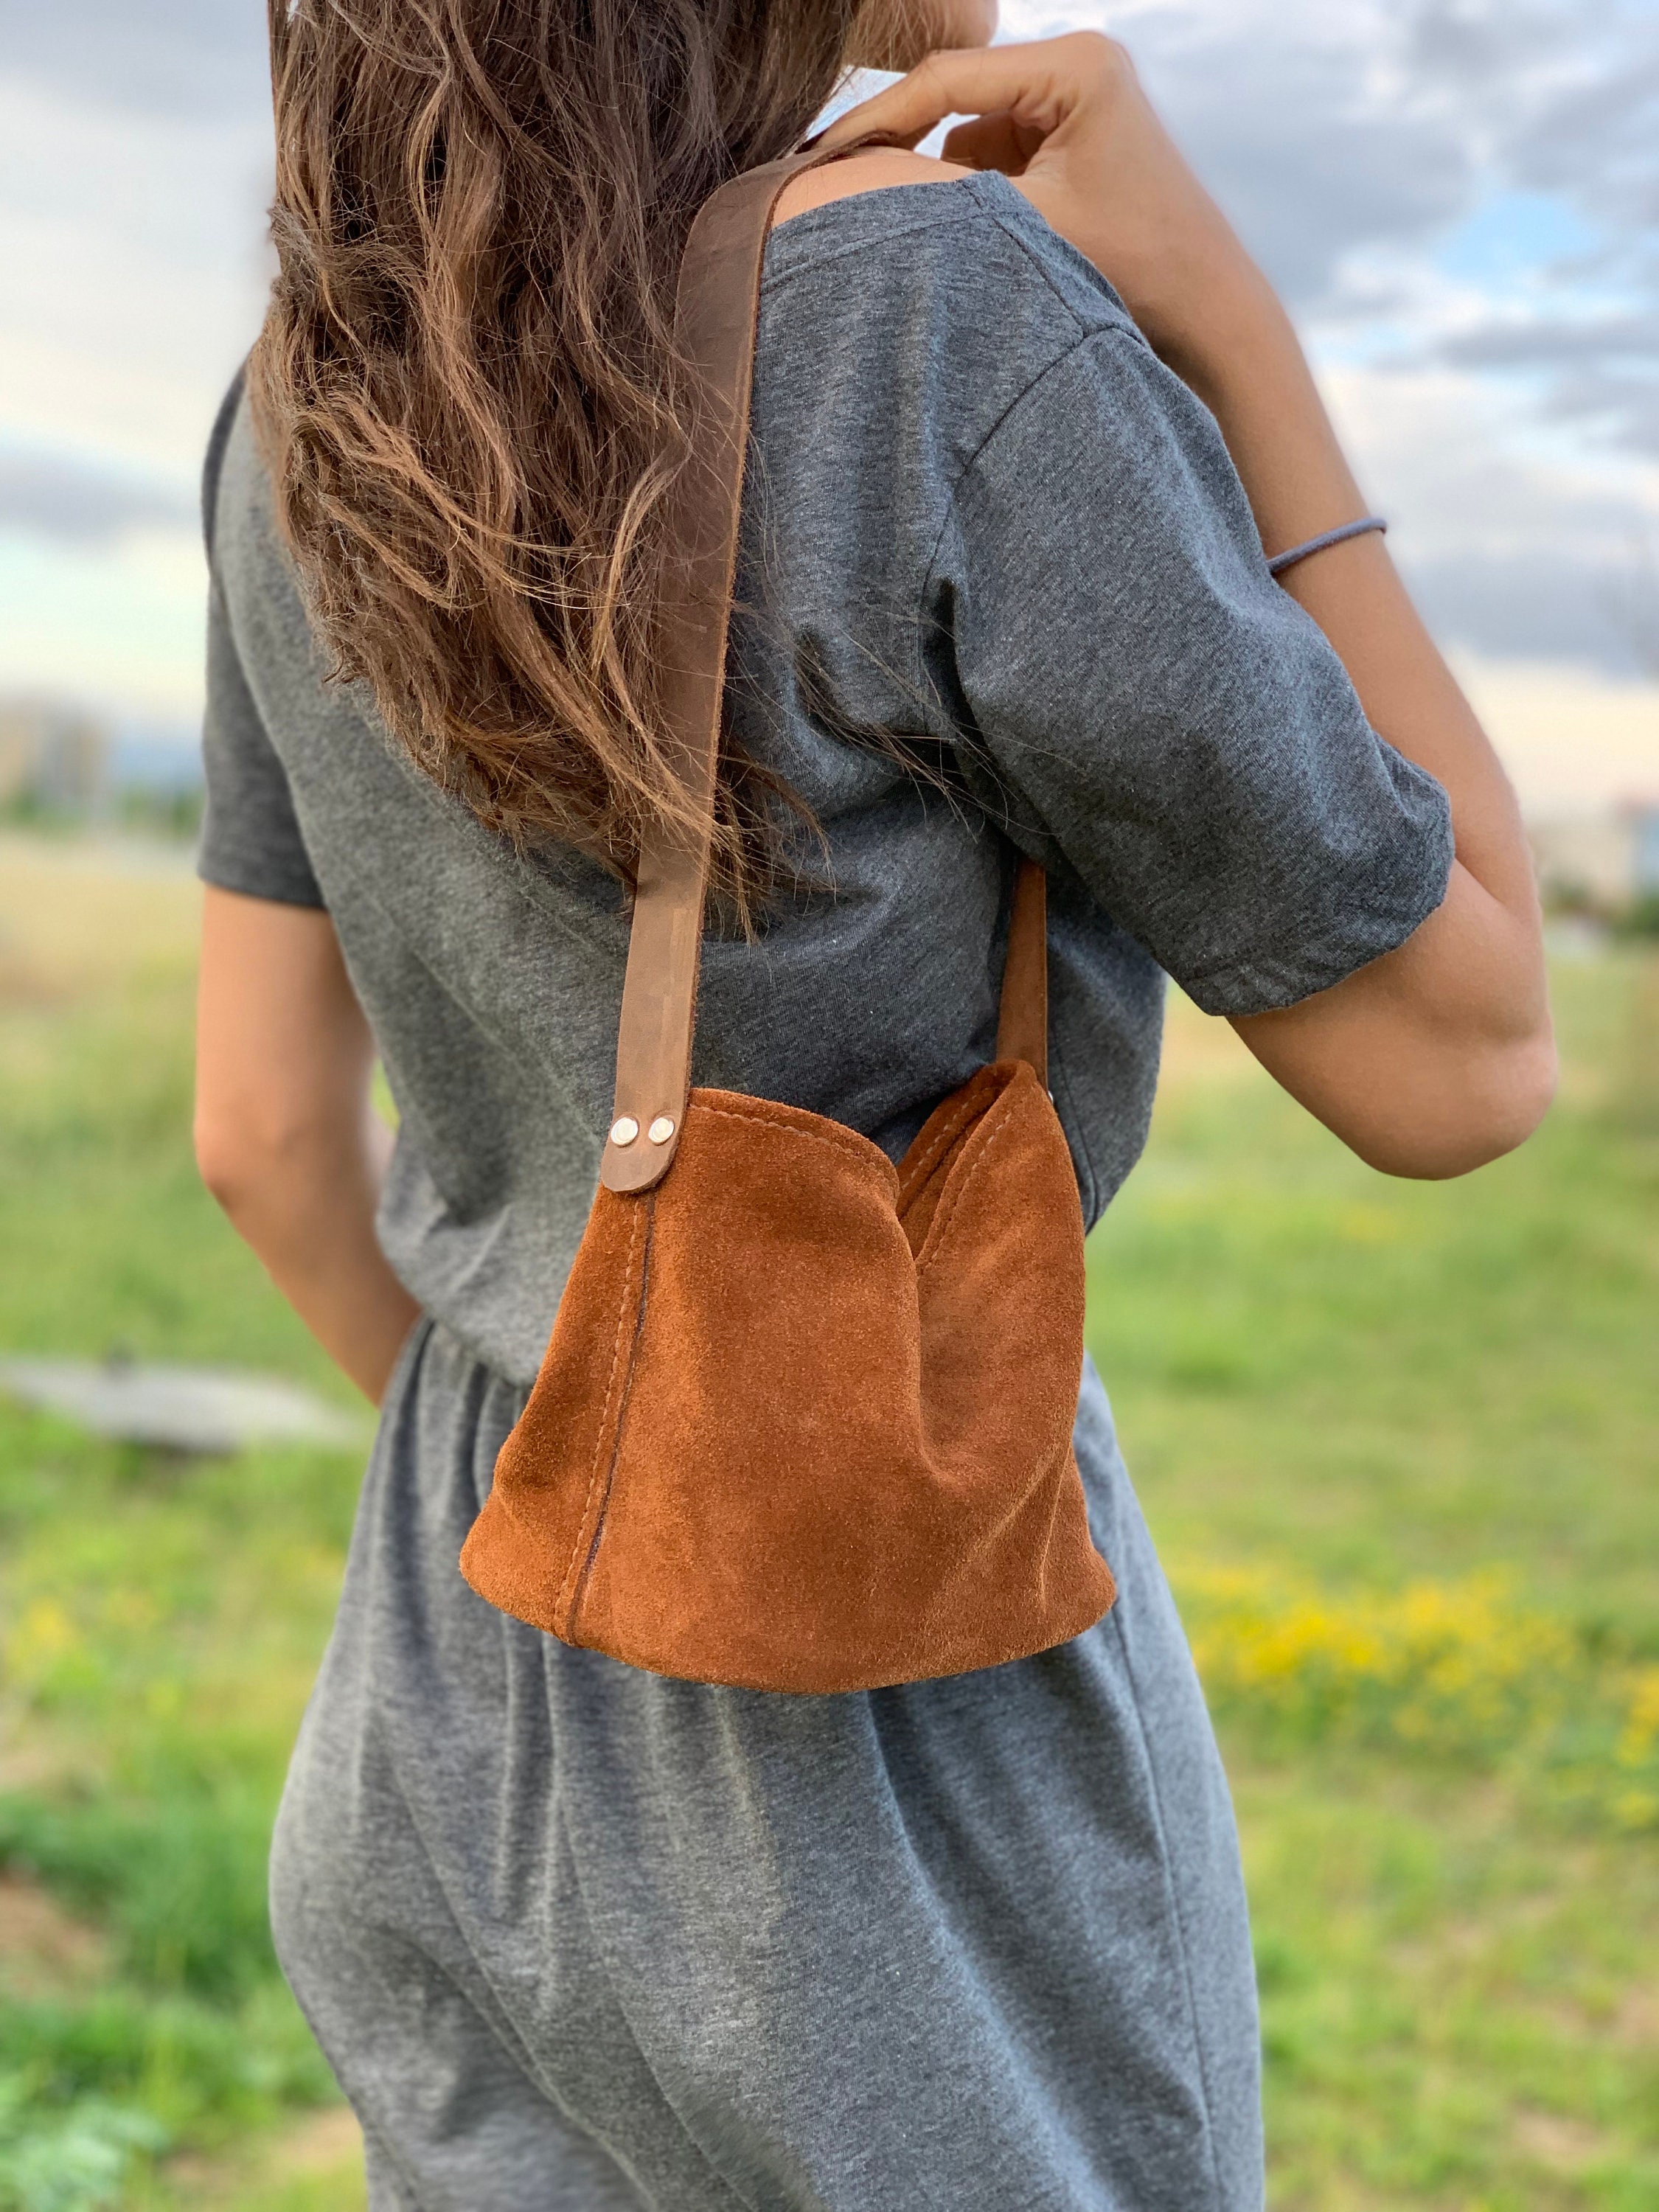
{"x": 571, "y": 1933}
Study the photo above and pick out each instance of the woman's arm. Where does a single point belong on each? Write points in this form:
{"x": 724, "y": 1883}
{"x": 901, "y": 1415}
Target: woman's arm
{"x": 285, "y": 1137}
{"x": 1438, "y": 1056}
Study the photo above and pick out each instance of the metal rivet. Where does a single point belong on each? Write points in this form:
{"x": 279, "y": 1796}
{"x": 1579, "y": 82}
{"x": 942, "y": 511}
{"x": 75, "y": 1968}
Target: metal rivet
{"x": 660, "y": 1130}
{"x": 624, "y": 1131}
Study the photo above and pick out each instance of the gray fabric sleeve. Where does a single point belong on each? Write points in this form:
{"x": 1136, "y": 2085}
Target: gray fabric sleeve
{"x": 1174, "y": 722}
{"x": 251, "y": 840}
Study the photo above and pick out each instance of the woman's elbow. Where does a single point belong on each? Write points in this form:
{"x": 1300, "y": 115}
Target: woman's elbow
{"x": 246, "y": 1159}
{"x": 231, "y": 1167}
{"x": 1488, "y": 1107}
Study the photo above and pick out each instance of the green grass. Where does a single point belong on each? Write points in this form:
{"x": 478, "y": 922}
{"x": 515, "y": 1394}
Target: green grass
{"x": 1397, "y": 1443}
{"x": 160, "y": 1619}
{"x": 1383, "y": 1379}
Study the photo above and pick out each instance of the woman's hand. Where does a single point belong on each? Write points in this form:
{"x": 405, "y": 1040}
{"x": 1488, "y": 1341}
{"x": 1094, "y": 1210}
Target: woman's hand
{"x": 1066, "y": 119}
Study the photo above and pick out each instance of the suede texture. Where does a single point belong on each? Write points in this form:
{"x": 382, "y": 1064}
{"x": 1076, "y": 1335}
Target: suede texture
{"x": 805, "y": 1421}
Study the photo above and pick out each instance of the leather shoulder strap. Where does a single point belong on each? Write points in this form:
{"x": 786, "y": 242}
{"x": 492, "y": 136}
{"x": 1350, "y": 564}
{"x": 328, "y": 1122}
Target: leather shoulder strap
{"x": 1023, "y": 1024}
{"x": 716, "y": 307}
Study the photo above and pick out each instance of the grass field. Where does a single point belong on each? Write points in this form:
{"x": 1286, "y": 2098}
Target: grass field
{"x": 1400, "y": 1446}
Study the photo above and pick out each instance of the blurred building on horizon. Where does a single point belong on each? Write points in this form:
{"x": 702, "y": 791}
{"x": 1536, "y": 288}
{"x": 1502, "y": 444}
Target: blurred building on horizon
{"x": 53, "y": 756}
{"x": 67, "y": 765}
{"x": 1601, "y": 861}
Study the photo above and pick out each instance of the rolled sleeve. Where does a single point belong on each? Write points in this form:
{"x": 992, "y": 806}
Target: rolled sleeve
{"x": 251, "y": 836}
{"x": 1177, "y": 726}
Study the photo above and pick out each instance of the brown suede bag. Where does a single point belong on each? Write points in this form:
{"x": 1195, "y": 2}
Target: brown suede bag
{"x": 804, "y": 1420}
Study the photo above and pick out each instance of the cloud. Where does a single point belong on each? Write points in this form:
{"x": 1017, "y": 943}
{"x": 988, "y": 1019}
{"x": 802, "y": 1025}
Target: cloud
{"x": 1307, "y": 127}
{"x": 78, "y": 504}
{"x": 1322, "y": 130}
{"x": 1560, "y": 345}
{"x": 1530, "y": 605}
{"x": 1459, "y": 199}
{"x": 1330, "y": 134}
{"x": 1590, "y": 136}
{"x": 164, "y": 57}
{"x": 131, "y": 248}
{"x": 1518, "y": 539}
{"x": 117, "y": 625}
{"x": 1603, "y": 374}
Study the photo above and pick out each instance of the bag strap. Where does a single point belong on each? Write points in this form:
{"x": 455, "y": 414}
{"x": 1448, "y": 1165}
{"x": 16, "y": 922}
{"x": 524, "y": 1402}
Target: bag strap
{"x": 1023, "y": 1020}
{"x": 717, "y": 306}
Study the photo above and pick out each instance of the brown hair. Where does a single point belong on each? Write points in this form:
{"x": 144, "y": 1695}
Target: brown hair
{"x": 466, "y": 384}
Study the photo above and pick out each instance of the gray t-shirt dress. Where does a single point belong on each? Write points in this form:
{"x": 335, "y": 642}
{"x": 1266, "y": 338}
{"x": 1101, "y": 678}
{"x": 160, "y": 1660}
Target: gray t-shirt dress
{"x": 573, "y": 1937}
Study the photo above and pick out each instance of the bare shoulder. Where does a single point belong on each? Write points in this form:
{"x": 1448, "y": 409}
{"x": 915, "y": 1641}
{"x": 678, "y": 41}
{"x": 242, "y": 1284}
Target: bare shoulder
{"x": 863, "y": 173}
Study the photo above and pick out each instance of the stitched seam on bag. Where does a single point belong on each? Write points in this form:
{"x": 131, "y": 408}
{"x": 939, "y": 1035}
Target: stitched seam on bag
{"x": 604, "y": 1417}
{"x": 940, "y": 1227}
{"x": 602, "y": 1511}
{"x": 918, "y": 1173}
{"x": 784, "y": 1129}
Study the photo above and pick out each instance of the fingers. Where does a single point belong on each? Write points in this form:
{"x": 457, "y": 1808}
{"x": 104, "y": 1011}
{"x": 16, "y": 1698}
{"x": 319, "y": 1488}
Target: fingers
{"x": 952, "y": 84}
{"x": 1037, "y": 84}
{"x": 989, "y": 142}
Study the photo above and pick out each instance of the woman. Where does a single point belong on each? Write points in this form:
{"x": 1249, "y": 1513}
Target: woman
{"x": 573, "y": 1935}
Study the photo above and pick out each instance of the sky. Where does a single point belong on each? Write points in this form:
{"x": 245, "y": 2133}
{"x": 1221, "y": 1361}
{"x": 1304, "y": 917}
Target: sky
{"x": 1459, "y": 199}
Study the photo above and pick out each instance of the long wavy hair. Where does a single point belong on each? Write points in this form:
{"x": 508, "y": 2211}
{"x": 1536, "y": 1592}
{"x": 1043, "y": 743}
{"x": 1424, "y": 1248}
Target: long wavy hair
{"x": 465, "y": 385}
